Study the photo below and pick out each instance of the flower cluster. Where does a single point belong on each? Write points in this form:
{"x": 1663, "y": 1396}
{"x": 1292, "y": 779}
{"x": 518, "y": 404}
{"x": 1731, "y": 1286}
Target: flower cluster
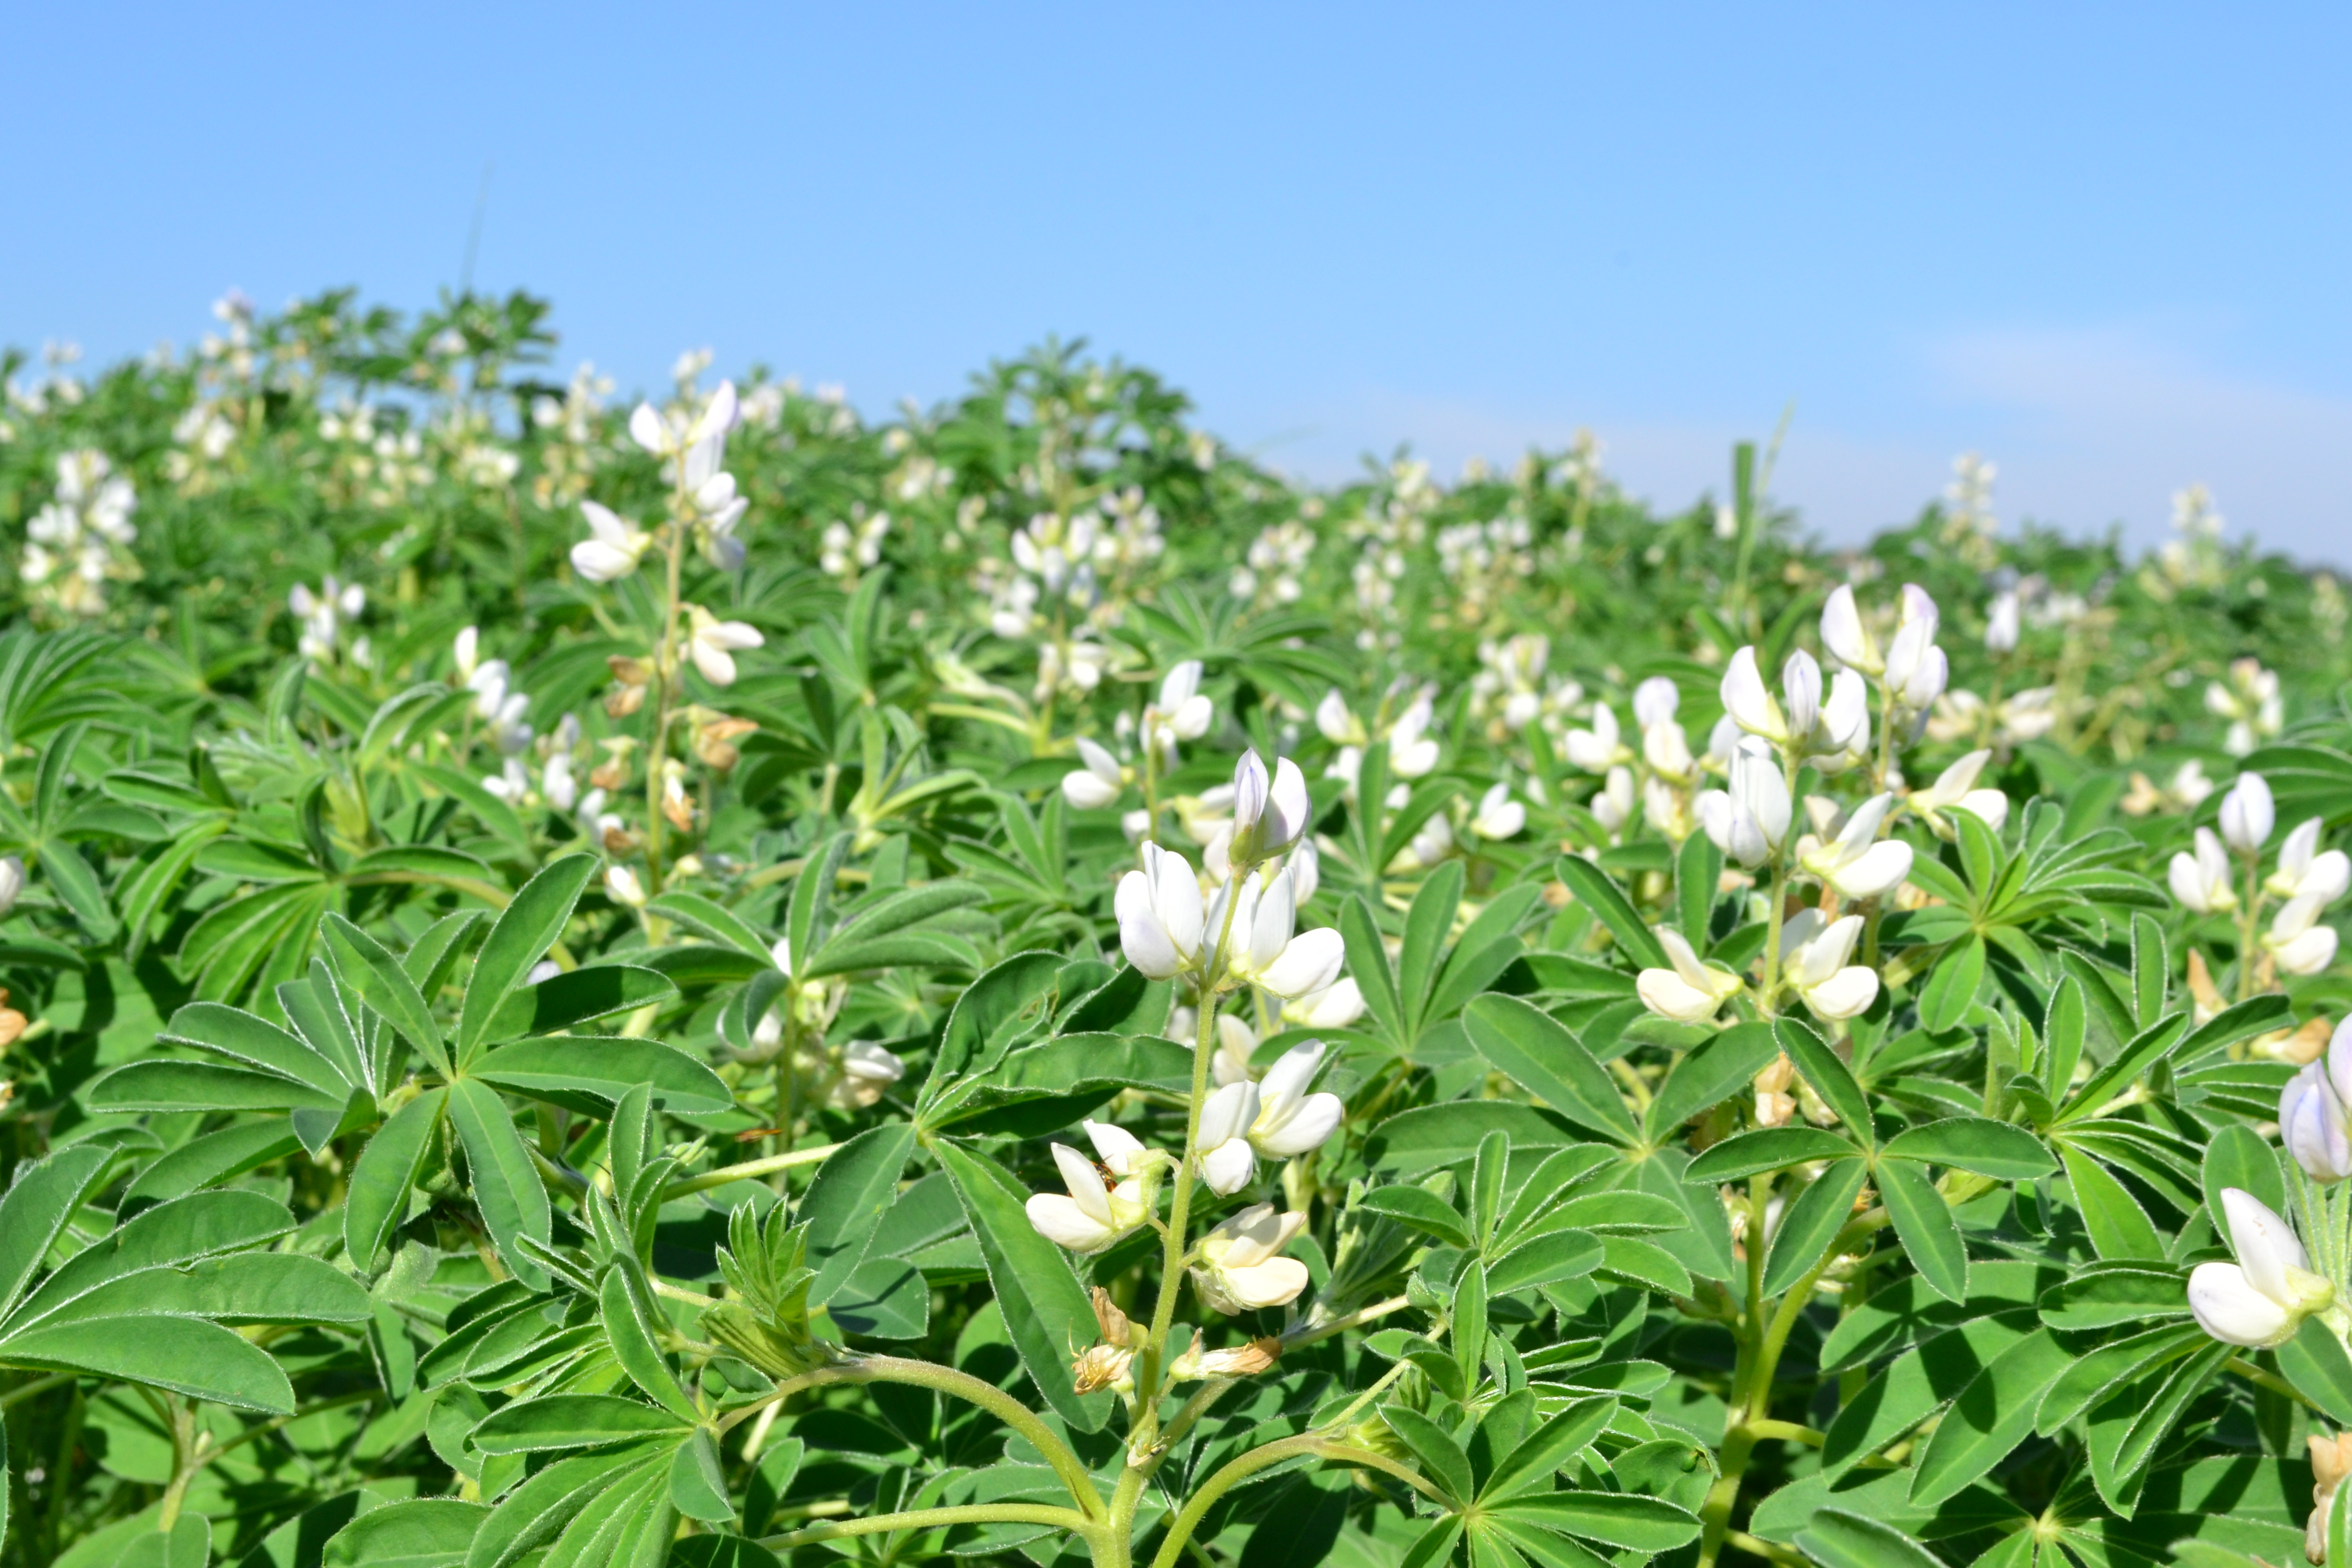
{"x": 81, "y": 539}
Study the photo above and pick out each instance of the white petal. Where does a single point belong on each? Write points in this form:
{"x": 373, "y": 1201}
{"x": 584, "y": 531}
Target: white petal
{"x": 1272, "y": 923}
{"x": 1272, "y": 1283}
{"x": 1335, "y": 1006}
{"x": 1669, "y": 995}
{"x": 1116, "y": 1147}
{"x": 712, "y": 658}
{"x": 1085, "y": 792}
{"x": 1078, "y": 1174}
{"x": 1142, "y": 935}
{"x": 646, "y": 429}
{"x": 1844, "y": 636}
{"x": 2188, "y": 883}
{"x": 1289, "y": 1077}
{"x": 1227, "y": 1113}
{"x": 1310, "y": 963}
{"x": 1877, "y": 870}
{"x": 1845, "y": 995}
{"x": 602, "y": 562}
{"x": 1227, "y": 1168}
{"x": 1062, "y": 1222}
{"x": 1333, "y": 718}
{"x": 2265, "y": 1245}
{"x": 1308, "y": 1126}
{"x": 2230, "y": 1309}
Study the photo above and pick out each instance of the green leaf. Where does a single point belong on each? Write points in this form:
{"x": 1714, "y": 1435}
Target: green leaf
{"x": 1487, "y": 1184}
{"x": 1422, "y": 1209}
{"x": 2127, "y": 1426}
{"x": 577, "y": 996}
{"x": 1906, "y": 1312}
{"x": 1441, "y": 1458}
{"x": 1945, "y": 1000}
{"x": 590, "y": 1073}
{"x": 631, "y": 1322}
{"x": 388, "y": 1170}
{"x": 2101, "y": 1372}
{"x": 1618, "y": 1518}
{"x": 1836, "y": 1539}
{"x": 1558, "y": 1439}
{"x": 1699, "y": 876}
{"x": 507, "y": 1188}
{"x": 2314, "y": 1365}
{"x": 1644, "y": 1263}
{"x": 1924, "y": 1223}
{"x": 980, "y": 1027}
{"x": 526, "y": 928}
{"x": 2151, "y": 968}
{"x": 856, "y": 1183}
{"x": 1976, "y": 1144}
{"x": 179, "y": 1086}
{"x": 2120, "y": 1229}
{"x": 883, "y": 1298}
{"x": 1368, "y": 962}
{"x": 2240, "y": 1157}
{"x": 1547, "y": 1259}
{"x": 255, "y": 1041}
{"x": 1469, "y": 1331}
{"x": 186, "y": 1355}
{"x": 1831, "y": 1079}
{"x": 2104, "y": 1294}
{"x": 711, "y": 921}
{"x": 1811, "y": 1223}
{"x": 555, "y": 1421}
{"x": 1428, "y": 1137}
{"x": 698, "y": 1486}
{"x": 1708, "y": 1076}
{"x": 1916, "y": 1383}
{"x": 423, "y": 1532}
{"x": 1045, "y": 1308}
{"x": 2139, "y": 1053}
{"x": 1991, "y": 1416}
{"x": 538, "y": 1510}
{"x": 370, "y": 969}
{"x": 1765, "y": 1149}
{"x": 1595, "y": 890}
{"x": 1427, "y": 923}
{"x": 1548, "y": 1061}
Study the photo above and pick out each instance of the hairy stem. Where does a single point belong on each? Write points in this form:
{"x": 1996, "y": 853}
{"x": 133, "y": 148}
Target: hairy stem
{"x": 765, "y": 1166}
{"x": 1309, "y": 1446}
{"x": 935, "y": 1518}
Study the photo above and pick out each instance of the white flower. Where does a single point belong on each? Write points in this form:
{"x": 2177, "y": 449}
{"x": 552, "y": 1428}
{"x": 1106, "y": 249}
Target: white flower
{"x": 1335, "y": 1006}
{"x": 2001, "y": 624}
{"x": 2202, "y": 880}
{"x": 1667, "y": 751}
{"x": 1430, "y": 843}
{"x": 1612, "y": 805}
{"x": 1098, "y": 783}
{"x": 1599, "y": 749}
{"x": 1338, "y": 723}
{"x": 1090, "y": 1218}
{"x": 1916, "y": 670}
{"x": 465, "y": 650}
{"x": 2261, "y": 1299}
{"x": 1855, "y": 863}
{"x": 2296, "y": 940}
{"x": 1689, "y": 992}
{"x": 1240, "y": 1269}
{"x": 1121, "y": 1152}
{"x": 1413, "y": 754}
{"x": 1748, "y": 701}
{"x": 675, "y": 435}
{"x": 1498, "y": 815}
{"x": 1182, "y": 713}
{"x": 1842, "y": 734}
{"x": 2303, "y": 869}
{"x": 1290, "y": 1121}
{"x": 1814, "y": 956}
{"x": 1160, "y": 914}
{"x": 1269, "y": 812}
{"x": 621, "y": 883}
{"x": 510, "y": 784}
{"x": 1305, "y": 864}
{"x": 612, "y": 548}
{"x": 1264, "y": 953}
{"x": 1749, "y": 820}
{"x": 1955, "y": 789}
{"x": 1237, "y": 1044}
{"x": 12, "y": 881}
{"x": 712, "y": 644}
{"x": 2313, "y": 1122}
{"x": 866, "y": 1070}
{"x": 1226, "y": 1160}
{"x": 1844, "y": 635}
{"x": 1655, "y": 701}
{"x": 2247, "y": 814}
{"x": 555, "y": 782}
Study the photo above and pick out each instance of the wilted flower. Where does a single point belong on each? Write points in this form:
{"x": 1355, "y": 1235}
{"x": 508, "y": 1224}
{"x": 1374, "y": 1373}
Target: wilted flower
{"x": 2261, "y": 1299}
{"x": 1240, "y": 1268}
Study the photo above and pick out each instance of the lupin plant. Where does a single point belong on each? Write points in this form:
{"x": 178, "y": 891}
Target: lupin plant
{"x": 714, "y": 982}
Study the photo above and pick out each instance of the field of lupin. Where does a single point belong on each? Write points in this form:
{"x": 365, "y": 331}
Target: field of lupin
{"x": 709, "y": 980}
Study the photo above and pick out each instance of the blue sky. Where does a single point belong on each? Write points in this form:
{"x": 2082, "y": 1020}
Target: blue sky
{"x": 2107, "y": 246}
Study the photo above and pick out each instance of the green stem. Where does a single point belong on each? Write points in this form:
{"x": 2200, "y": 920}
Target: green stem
{"x": 1272, "y": 1453}
{"x": 39, "y": 1385}
{"x": 935, "y": 1518}
{"x": 764, "y": 1166}
{"x": 958, "y": 1384}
